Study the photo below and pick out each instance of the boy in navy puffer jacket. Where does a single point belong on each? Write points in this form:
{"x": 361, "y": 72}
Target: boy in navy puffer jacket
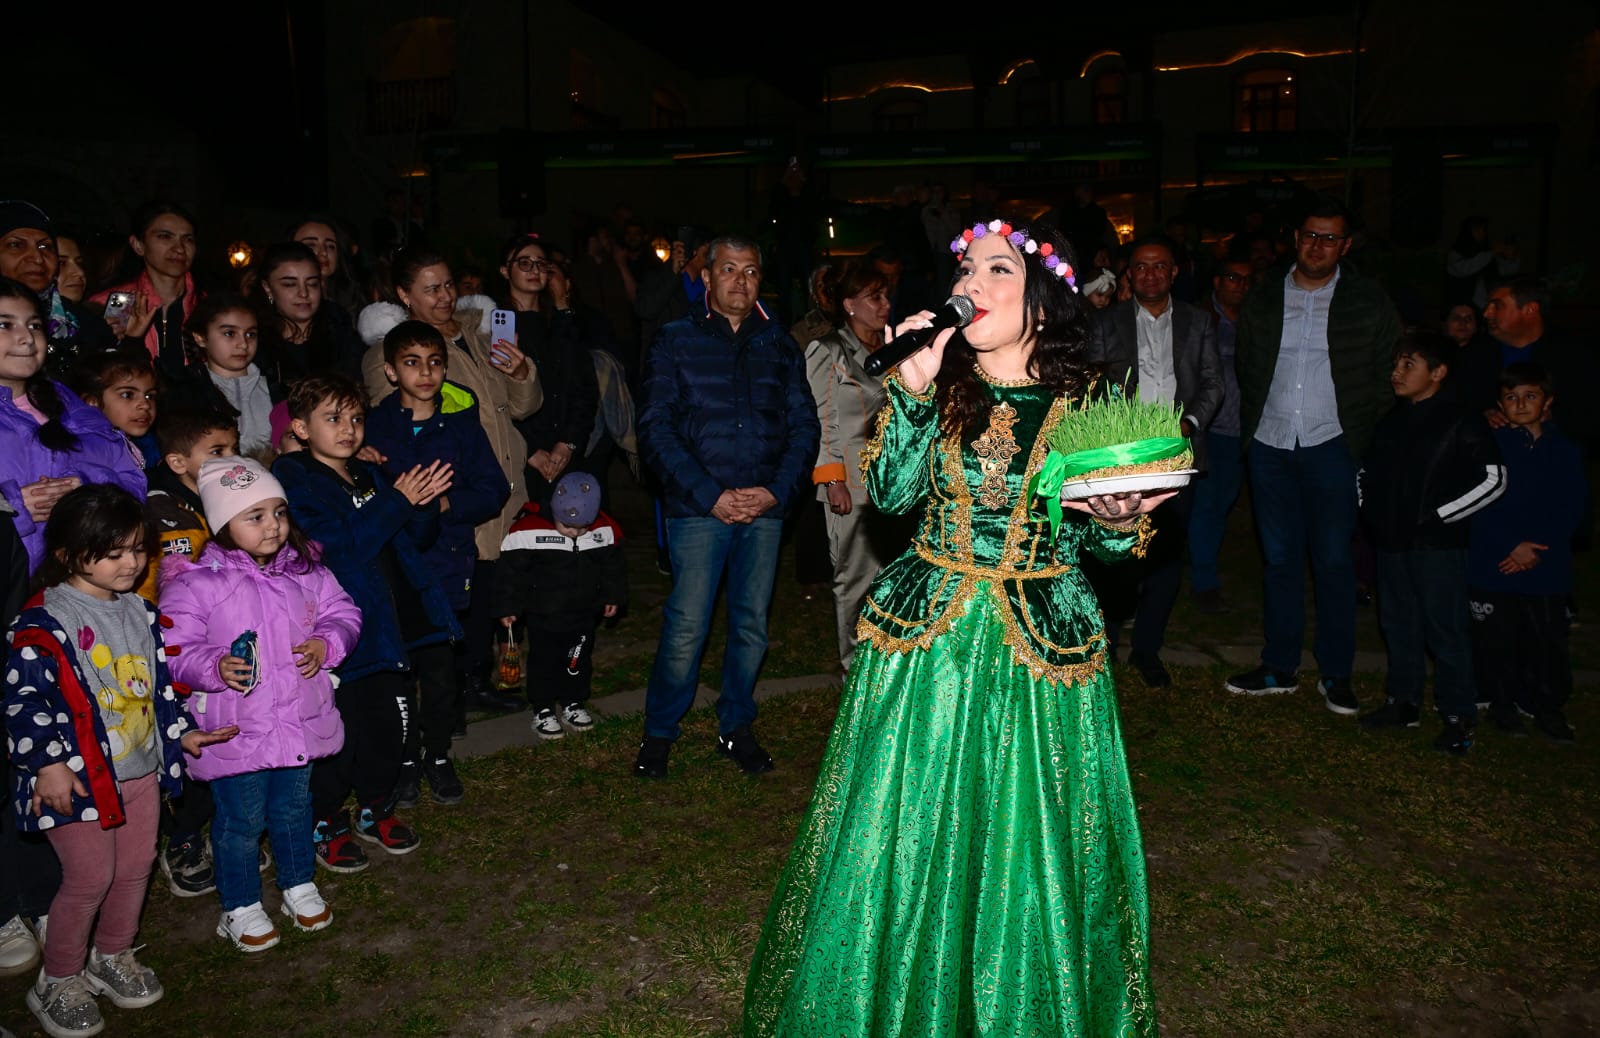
{"x": 372, "y": 534}
{"x": 428, "y": 420}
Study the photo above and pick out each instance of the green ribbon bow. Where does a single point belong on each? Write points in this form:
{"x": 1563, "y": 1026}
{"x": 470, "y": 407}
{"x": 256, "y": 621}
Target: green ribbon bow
{"x": 1059, "y": 468}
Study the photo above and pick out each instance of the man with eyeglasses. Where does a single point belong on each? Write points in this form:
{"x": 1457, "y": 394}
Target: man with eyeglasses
{"x": 1215, "y": 494}
{"x": 1166, "y": 351}
{"x": 1314, "y": 355}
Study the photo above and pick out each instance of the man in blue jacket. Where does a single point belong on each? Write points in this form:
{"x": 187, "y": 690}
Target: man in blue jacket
{"x": 729, "y": 428}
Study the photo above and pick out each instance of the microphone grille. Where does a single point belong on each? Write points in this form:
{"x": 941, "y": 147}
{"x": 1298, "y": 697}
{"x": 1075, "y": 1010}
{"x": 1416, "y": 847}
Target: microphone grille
{"x": 964, "y": 307}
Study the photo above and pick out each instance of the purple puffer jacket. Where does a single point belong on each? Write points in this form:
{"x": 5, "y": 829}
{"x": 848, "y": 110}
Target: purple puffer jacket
{"x": 286, "y": 721}
{"x": 103, "y": 456}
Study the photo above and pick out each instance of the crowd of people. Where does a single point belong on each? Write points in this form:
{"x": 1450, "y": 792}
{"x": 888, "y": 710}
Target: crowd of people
{"x": 264, "y": 538}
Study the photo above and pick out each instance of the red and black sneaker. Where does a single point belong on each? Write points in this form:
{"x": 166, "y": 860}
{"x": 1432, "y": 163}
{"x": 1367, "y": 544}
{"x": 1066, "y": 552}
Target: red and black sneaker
{"x": 390, "y": 833}
{"x": 336, "y": 851}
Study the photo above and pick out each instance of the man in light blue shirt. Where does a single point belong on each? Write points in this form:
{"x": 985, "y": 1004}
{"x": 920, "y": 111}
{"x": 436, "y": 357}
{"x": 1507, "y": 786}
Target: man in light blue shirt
{"x": 1313, "y": 355}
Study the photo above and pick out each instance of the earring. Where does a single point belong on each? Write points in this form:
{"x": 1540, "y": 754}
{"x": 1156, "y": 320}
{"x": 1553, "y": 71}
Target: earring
{"x": 849, "y": 313}
{"x": 1039, "y": 327}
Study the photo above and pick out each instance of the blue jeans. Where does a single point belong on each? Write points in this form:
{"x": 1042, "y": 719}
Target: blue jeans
{"x": 278, "y": 801}
{"x": 1305, "y": 499}
{"x": 1422, "y": 607}
{"x": 1214, "y": 495}
{"x": 702, "y": 550}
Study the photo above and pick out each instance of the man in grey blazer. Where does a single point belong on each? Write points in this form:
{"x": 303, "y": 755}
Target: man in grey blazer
{"x": 1165, "y": 350}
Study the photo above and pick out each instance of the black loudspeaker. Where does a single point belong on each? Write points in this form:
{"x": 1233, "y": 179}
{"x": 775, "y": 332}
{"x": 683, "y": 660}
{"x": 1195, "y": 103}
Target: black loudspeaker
{"x": 521, "y": 177}
{"x": 1416, "y": 193}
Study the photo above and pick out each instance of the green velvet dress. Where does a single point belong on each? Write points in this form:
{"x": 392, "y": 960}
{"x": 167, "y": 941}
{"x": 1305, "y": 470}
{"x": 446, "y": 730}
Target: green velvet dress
{"x": 970, "y": 863}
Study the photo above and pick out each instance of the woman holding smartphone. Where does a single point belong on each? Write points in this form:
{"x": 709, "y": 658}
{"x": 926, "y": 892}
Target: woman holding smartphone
{"x": 155, "y": 303}
{"x": 548, "y": 330}
{"x": 502, "y": 378}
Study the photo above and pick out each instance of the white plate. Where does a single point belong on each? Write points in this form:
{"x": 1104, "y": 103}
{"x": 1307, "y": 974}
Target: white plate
{"x": 1144, "y": 482}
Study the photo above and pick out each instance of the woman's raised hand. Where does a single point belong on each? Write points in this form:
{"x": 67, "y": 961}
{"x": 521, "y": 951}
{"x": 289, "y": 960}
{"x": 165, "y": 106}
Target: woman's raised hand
{"x": 918, "y": 371}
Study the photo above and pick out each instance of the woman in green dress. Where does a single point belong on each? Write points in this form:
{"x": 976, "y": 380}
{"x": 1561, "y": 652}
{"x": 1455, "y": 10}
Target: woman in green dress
{"x": 970, "y": 863}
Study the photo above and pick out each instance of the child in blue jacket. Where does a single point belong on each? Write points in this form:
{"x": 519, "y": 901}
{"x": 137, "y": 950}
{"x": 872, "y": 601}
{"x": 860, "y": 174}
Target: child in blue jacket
{"x": 426, "y": 421}
{"x": 1519, "y": 564}
{"x": 372, "y": 534}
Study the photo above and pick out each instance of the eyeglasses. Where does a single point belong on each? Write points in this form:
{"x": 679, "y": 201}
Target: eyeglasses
{"x": 1234, "y": 278}
{"x": 528, "y": 265}
{"x": 1313, "y": 237}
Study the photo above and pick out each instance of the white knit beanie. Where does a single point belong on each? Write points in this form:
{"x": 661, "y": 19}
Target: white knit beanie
{"x": 228, "y": 486}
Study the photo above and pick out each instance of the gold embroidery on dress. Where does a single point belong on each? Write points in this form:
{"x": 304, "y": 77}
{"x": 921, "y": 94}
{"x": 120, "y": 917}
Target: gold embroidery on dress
{"x": 958, "y": 525}
{"x": 874, "y": 447}
{"x": 1144, "y": 531}
{"x": 1020, "y": 526}
{"x": 995, "y": 449}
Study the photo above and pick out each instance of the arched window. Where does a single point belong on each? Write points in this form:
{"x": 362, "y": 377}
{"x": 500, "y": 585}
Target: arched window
{"x": 1265, "y": 100}
{"x": 1110, "y": 97}
{"x": 667, "y": 111}
{"x": 907, "y": 113}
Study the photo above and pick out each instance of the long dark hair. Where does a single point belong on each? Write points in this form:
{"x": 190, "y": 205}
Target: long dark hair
{"x": 1060, "y": 343}
{"x": 85, "y": 526}
{"x": 39, "y": 388}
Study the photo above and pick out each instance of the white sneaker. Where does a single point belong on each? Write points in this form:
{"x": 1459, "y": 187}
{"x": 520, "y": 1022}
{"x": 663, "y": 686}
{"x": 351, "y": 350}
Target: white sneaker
{"x": 19, "y": 952}
{"x": 546, "y": 725}
{"x": 577, "y": 717}
{"x": 249, "y": 928}
{"x": 306, "y": 909}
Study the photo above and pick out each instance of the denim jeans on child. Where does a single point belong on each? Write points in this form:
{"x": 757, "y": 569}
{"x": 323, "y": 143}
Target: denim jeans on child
{"x": 278, "y": 801}
{"x": 702, "y": 550}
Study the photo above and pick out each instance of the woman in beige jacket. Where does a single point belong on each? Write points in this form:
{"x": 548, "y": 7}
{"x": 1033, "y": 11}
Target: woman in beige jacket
{"x": 505, "y": 383}
{"x": 848, "y": 399}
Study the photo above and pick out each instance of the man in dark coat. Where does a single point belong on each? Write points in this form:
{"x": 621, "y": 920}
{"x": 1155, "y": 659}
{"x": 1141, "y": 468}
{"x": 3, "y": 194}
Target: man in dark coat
{"x": 1166, "y": 351}
{"x": 1314, "y": 352}
{"x": 729, "y": 428}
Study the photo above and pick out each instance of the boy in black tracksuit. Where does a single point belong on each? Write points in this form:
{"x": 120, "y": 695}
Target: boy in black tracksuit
{"x": 564, "y": 568}
{"x": 1432, "y": 464}
{"x": 1520, "y": 563}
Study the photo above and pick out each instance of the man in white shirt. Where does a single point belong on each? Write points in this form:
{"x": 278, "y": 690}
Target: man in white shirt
{"x": 1166, "y": 351}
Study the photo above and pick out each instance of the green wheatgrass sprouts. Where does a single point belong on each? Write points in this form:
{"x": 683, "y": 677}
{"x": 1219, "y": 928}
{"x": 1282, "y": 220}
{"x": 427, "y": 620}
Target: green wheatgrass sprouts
{"x": 1113, "y": 420}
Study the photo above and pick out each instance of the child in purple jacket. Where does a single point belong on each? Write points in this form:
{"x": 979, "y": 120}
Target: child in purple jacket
{"x": 260, "y": 622}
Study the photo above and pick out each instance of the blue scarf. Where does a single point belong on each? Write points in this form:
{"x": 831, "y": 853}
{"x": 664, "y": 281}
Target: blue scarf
{"x": 61, "y": 323}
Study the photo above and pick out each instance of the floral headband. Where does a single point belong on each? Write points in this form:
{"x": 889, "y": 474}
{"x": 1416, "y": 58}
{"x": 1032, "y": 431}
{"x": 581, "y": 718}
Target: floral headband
{"x": 1053, "y": 263}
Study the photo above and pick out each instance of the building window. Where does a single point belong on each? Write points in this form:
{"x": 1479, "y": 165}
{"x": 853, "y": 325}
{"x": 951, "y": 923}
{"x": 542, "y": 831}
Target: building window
{"x": 1111, "y": 97}
{"x": 1265, "y": 101}
{"x": 899, "y": 116}
{"x": 1033, "y": 101}
{"x": 666, "y": 111}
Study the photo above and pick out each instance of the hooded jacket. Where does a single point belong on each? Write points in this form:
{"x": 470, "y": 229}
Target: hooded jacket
{"x": 454, "y": 433}
{"x": 102, "y": 456}
{"x": 286, "y": 721}
{"x": 501, "y": 400}
{"x": 53, "y": 718}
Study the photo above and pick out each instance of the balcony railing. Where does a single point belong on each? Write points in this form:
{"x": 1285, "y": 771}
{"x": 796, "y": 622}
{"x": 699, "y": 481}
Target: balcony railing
{"x": 405, "y": 105}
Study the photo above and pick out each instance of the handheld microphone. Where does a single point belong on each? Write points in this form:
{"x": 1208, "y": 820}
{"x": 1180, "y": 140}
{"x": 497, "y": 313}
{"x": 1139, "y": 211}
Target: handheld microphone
{"x": 957, "y": 312}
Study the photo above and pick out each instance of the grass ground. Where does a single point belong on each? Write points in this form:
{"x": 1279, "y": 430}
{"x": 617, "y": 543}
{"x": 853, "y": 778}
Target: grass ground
{"x": 1306, "y": 878}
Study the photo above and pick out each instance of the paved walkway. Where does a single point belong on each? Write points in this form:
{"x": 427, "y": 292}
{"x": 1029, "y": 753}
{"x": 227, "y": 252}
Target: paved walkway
{"x": 498, "y": 733}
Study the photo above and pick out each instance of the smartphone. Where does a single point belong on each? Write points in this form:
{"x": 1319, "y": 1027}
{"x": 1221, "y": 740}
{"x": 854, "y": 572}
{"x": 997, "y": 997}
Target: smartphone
{"x": 244, "y": 647}
{"x": 502, "y": 325}
{"x": 118, "y": 304}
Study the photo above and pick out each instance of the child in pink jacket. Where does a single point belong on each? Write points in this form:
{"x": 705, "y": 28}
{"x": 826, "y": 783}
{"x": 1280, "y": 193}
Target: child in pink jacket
{"x": 260, "y": 623}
